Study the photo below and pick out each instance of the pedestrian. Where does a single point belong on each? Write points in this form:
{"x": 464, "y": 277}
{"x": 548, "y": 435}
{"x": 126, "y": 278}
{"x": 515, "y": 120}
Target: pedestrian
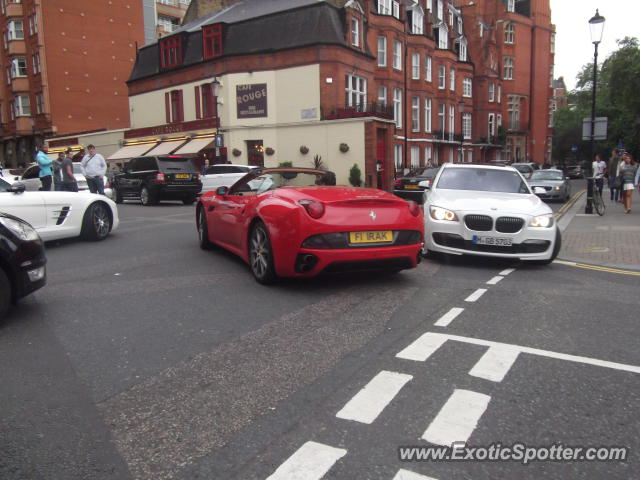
{"x": 629, "y": 180}
{"x": 69, "y": 183}
{"x": 615, "y": 182}
{"x": 599, "y": 166}
{"x": 94, "y": 167}
{"x": 44, "y": 162}
{"x": 57, "y": 172}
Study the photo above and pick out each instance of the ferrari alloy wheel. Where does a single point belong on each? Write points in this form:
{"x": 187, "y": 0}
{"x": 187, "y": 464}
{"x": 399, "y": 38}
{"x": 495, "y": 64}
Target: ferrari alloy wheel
{"x": 203, "y": 232}
{"x": 260, "y": 255}
{"x": 5, "y": 293}
{"x": 96, "y": 223}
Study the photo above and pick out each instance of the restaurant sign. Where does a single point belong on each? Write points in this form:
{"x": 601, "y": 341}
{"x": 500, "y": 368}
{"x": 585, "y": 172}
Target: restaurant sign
{"x": 251, "y": 100}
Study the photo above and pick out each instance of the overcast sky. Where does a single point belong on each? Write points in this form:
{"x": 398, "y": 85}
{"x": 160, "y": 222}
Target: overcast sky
{"x": 573, "y": 40}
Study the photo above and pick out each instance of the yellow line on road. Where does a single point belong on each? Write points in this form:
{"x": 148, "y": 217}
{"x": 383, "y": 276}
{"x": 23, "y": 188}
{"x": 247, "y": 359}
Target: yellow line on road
{"x": 598, "y": 268}
{"x": 562, "y": 210}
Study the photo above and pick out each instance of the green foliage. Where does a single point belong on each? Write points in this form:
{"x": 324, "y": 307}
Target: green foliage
{"x": 285, "y": 165}
{"x": 355, "y": 176}
{"x": 317, "y": 163}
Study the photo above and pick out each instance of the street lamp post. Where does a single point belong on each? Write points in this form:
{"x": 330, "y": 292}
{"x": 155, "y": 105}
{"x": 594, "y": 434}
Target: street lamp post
{"x": 596, "y": 26}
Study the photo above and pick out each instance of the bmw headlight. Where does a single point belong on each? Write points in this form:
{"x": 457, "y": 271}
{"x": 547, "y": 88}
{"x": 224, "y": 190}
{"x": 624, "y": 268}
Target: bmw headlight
{"x": 22, "y": 230}
{"x": 542, "y": 221}
{"x": 438, "y": 213}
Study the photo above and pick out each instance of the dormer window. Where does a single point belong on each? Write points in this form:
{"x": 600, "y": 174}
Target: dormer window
{"x": 389, "y": 7}
{"x": 171, "y": 51}
{"x": 355, "y": 32}
{"x": 511, "y": 5}
{"x": 416, "y": 16}
{"x": 443, "y": 36}
{"x": 211, "y": 41}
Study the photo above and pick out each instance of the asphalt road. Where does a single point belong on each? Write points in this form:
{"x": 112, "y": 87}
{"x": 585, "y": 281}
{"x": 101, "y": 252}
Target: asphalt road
{"x": 145, "y": 357}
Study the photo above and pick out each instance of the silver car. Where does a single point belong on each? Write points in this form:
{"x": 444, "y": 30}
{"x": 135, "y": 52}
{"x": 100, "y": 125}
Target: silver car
{"x": 550, "y": 185}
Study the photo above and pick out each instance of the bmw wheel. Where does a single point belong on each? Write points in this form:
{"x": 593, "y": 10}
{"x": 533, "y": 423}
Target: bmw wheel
{"x": 261, "y": 255}
{"x": 96, "y": 223}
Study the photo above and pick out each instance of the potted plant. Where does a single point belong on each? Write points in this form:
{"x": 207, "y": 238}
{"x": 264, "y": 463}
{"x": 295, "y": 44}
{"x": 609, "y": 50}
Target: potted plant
{"x": 355, "y": 176}
{"x": 344, "y": 148}
{"x": 304, "y": 149}
{"x": 236, "y": 152}
{"x": 269, "y": 151}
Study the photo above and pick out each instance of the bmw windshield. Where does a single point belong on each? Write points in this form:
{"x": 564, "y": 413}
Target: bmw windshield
{"x": 482, "y": 180}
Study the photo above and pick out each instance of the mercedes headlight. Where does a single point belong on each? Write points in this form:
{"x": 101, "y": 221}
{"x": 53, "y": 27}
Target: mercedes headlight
{"x": 22, "y": 230}
{"x": 542, "y": 221}
{"x": 438, "y": 213}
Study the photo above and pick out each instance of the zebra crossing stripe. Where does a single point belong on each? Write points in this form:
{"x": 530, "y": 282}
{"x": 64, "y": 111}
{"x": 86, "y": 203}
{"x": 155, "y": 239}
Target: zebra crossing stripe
{"x": 495, "y": 363}
{"x": 423, "y": 347}
{"x": 310, "y": 462}
{"x": 458, "y": 418}
{"x": 407, "y": 475}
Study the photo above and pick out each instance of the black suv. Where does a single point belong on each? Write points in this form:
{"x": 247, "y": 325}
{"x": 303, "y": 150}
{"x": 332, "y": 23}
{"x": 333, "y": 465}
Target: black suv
{"x": 151, "y": 179}
{"x": 413, "y": 185}
{"x": 22, "y": 261}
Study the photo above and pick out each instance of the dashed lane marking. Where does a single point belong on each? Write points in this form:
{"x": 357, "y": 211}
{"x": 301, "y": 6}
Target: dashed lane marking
{"x": 475, "y": 295}
{"x": 506, "y": 272}
{"x": 448, "y": 317}
{"x": 458, "y": 418}
{"x": 369, "y": 402}
{"x": 495, "y": 280}
{"x": 598, "y": 268}
{"x": 310, "y": 462}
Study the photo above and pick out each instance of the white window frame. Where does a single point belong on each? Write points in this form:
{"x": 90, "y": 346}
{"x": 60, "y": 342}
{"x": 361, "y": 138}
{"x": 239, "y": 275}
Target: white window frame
{"x": 397, "y": 55}
{"x": 19, "y": 67}
{"x": 443, "y": 36}
{"x": 452, "y": 121}
{"x": 355, "y": 90}
{"x": 382, "y": 51}
{"x": 22, "y": 106}
{"x": 39, "y": 103}
{"x": 442, "y": 118}
{"x": 415, "y": 157}
{"x": 355, "y": 32}
{"x": 462, "y": 55}
{"x": 467, "y": 87}
{"x": 450, "y": 18}
{"x": 452, "y": 79}
{"x": 440, "y": 11}
{"x": 14, "y": 33}
{"x": 33, "y": 24}
{"x": 398, "y": 158}
{"x": 442, "y": 74}
{"x": 415, "y": 114}
{"x": 509, "y": 33}
{"x": 511, "y": 6}
{"x": 382, "y": 95}
{"x": 491, "y": 126}
{"x": 417, "y": 21}
{"x": 397, "y": 107}
{"x": 507, "y": 68}
{"x": 499, "y": 93}
{"x": 492, "y": 92}
{"x": 427, "y": 156}
{"x": 415, "y": 66}
{"x": 514, "y": 112}
{"x": 466, "y": 126}
{"x": 427, "y": 115}
{"x": 428, "y": 68}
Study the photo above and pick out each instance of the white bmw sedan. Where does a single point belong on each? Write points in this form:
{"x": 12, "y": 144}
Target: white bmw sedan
{"x": 57, "y": 215}
{"x": 490, "y": 211}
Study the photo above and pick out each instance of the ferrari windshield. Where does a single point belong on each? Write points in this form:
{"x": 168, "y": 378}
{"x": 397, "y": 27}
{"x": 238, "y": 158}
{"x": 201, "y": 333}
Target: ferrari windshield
{"x": 277, "y": 178}
{"x": 547, "y": 175}
{"x": 482, "y": 180}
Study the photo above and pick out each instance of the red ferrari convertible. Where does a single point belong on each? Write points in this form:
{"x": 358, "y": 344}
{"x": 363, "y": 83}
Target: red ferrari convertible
{"x": 292, "y": 222}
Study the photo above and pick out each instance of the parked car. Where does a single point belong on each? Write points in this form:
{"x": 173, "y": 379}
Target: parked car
{"x": 526, "y": 169}
{"x": 574, "y": 171}
{"x": 223, "y": 175}
{"x": 156, "y": 178}
{"x": 284, "y": 222}
{"x": 22, "y": 261}
{"x": 413, "y": 185}
{"x": 489, "y": 211}
{"x": 550, "y": 185}
{"x": 57, "y": 215}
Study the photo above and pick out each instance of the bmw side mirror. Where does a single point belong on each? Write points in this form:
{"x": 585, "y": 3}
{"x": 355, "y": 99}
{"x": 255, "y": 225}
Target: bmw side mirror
{"x": 17, "y": 188}
{"x": 426, "y": 184}
{"x": 222, "y": 191}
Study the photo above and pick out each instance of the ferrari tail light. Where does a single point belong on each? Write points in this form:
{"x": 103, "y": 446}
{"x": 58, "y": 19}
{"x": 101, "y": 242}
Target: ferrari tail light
{"x": 414, "y": 208}
{"x": 314, "y": 208}
{"x": 159, "y": 177}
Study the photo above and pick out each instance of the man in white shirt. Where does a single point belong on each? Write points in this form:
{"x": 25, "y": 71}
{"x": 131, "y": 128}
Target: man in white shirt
{"x": 599, "y": 167}
{"x": 94, "y": 167}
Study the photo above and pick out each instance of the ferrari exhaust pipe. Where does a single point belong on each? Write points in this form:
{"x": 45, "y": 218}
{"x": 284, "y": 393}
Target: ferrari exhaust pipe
{"x": 305, "y": 262}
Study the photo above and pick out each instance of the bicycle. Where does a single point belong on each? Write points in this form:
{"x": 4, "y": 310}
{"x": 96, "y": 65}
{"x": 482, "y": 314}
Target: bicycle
{"x": 597, "y": 201}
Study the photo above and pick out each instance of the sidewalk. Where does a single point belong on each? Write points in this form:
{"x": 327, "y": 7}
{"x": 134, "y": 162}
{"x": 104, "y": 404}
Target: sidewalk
{"x": 612, "y": 240}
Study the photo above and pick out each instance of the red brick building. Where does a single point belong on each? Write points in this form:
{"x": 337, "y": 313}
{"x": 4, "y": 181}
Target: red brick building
{"x": 65, "y": 66}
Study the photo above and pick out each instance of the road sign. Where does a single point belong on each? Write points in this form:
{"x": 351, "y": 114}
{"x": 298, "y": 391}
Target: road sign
{"x": 599, "y": 132}
{"x": 574, "y": 149}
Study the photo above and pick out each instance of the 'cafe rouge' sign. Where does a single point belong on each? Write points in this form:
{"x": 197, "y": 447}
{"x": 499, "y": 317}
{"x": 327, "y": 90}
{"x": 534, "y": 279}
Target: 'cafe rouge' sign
{"x": 252, "y": 100}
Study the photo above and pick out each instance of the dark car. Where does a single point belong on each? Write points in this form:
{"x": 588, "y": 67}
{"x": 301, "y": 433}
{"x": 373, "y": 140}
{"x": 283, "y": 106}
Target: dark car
{"x": 22, "y": 261}
{"x": 151, "y": 179}
{"x": 413, "y": 185}
{"x": 574, "y": 171}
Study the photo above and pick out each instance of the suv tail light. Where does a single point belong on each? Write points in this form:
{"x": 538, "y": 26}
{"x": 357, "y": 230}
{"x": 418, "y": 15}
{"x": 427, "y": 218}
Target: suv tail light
{"x": 159, "y": 177}
{"x": 107, "y": 182}
{"x": 314, "y": 208}
{"x": 397, "y": 183}
{"x": 414, "y": 208}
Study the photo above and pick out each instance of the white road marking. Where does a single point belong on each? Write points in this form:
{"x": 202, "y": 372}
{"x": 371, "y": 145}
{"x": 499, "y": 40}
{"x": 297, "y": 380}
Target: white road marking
{"x": 310, "y": 462}
{"x": 475, "y": 295}
{"x": 458, "y": 418}
{"x": 495, "y": 363}
{"x": 368, "y": 403}
{"x": 448, "y": 317}
{"x": 494, "y": 280}
{"x": 423, "y": 347}
{"x": 507, "y": 271}
{"x": 407, "y": 475}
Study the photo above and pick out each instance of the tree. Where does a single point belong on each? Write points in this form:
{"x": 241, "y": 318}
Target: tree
{"x": 355, "y": 176}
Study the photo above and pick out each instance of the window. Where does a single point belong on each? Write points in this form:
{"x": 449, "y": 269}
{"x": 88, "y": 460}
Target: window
{"x": 459, "y": 25}
{"x": 492, "y": 92}
{"x": 450, "y": 18}
{"x": 553, "y": 43}
{"x": 514, "y": 112}
{"x": 22, "y": 106}
{"x": 397, "y": 156}
{"x": 355, "y": 90}
{"x": 35, "y": 61}
{"x": 355, "y": 32}
{"x": 8, "y": 75}
{"x": 466, "y": 126}
{"x": 397, "y": 55}
{"x": 441, "y": 118}
{"x": 174, "y": 111}
{"x": 508, "y": 68}
{"x": 415, "y": 157}
{"x": 397, "y": 107}
{"x": 462, "y": 54}
{"x": 441, "y": 77}
{"x": 15, "y": 30}
{"x": 389, "y": 7}
{"x": 511, "y": 5}
{"x": 427, "y": 156}
{"x": 466, "y": 87}
{"x": 427, "y": 68}
{"x": 491, "y": 124}
{"x": 211, "y": 41}
{"x": 417, "y": 21}
{"x": 382, "y": 95}
{"x": 206, "y": 101}
{"x": 443, "y": 37}
{"x": 439, "y": 12}
{"x": 415, "y": 66}
{"x": 499, "y": 93}
{"x": 171, "y": 51}
{"x": 39, "y": 103}
{"x": 509, "y": 32}
{"x": 19, "y": 67}
{"x": 33, "y": 24}
{"x": 427, "y": 115}
{"x": 452, "y": 79}
{"x": 382, "y": 51}
{"x": 415, "y": 114}
{"x": 498, "y": 121}
{"x": 167, "y": 2}
{"x": 452, "y": 121}
{"x": 168, "y": 24}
